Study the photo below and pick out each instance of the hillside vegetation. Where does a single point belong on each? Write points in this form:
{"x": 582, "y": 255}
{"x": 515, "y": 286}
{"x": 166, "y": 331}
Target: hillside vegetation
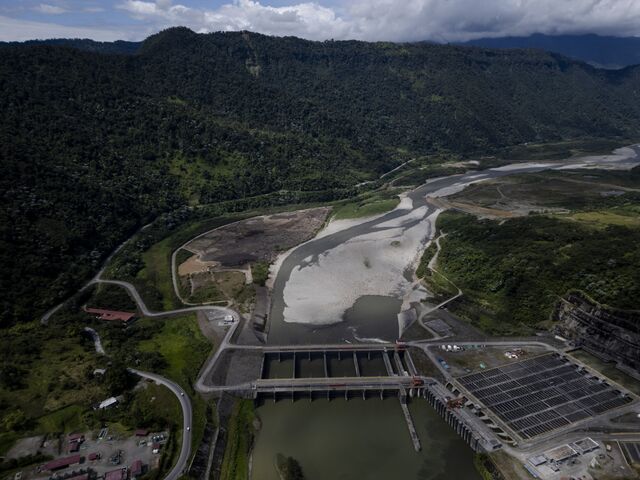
{"x": 94, "y": 144}
{"x": 513, "y": 272}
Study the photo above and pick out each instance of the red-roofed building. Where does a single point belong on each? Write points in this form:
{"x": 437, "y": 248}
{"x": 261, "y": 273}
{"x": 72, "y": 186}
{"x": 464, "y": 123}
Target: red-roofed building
{"x": 93, "y": 456}
{"x": 136, "y": 468}
{"x": 120, "y": 474}
{"x": 141, "y": 432}
{"x": 75, "y": 437}
{"x": 112, "y": 315}
{"x": 60, "y": 463}
{"x": 84, "y": 476}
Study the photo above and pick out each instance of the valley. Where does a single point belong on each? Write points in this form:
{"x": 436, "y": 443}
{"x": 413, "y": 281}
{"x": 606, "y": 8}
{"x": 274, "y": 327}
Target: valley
{"x": 234, "y": 368}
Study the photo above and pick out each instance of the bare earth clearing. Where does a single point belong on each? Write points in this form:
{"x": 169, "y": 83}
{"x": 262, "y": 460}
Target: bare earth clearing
{"x": 259, "y": 238}
{"x": 223, "y": 257}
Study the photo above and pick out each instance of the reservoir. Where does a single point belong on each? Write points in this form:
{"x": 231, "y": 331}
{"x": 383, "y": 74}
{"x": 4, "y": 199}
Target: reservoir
{"x": 360, "y": 440}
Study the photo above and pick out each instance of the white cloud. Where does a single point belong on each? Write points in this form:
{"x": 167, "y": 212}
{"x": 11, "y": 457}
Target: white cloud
{"x": 308, "y": 20}
{"x": 49, "y": 9}
{"x": 399, "y": 20}
{"x": 395, "y": 20}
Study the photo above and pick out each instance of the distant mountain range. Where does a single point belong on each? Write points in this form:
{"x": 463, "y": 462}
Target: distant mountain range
{"x": 119, "y": 46}
{"x": 599, "y": 51}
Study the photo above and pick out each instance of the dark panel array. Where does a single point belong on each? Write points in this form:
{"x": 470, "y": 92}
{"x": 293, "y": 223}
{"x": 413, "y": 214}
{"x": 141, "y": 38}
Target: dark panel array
{"x": 541, "y": 394}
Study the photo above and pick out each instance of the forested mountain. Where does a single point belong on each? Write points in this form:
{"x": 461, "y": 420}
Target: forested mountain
{"x": 602, "y": 51}
{"x": 93, "y": 145}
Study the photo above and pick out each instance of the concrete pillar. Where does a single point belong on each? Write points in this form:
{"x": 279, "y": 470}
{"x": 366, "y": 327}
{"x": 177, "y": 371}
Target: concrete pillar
{"x": 294, "y": 365}
{"x": 326, "y": 365}
{"x": 387, "y": 363}
{"x": 355, "y": 364}
{"x": 262, "y": 366}
{"x": 398, "y": 361}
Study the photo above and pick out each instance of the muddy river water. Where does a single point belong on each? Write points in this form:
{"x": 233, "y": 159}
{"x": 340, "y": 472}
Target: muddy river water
{"x": 349, "y": 284}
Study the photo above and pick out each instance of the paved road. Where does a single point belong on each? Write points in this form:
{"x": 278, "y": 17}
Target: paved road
{"x": 333, "y": 383}
{"x": 45, "y": 318}
{"x": 187, "y": 417}
{"x": 149, "y": 313}
{"x": 96, "y": 340}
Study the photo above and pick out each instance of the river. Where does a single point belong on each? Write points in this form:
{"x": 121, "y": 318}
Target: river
{"x": 316, "y": 292}
{"x": 359, "y": 439}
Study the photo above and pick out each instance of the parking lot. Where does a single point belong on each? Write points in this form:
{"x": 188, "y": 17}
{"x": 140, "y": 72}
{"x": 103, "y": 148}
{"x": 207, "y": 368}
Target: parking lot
{"x": 102, "y": 451}
{"x": 541, "y": 394}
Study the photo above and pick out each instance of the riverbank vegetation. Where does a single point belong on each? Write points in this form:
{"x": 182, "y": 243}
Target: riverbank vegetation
{"x": 240, "y": 436}
{"x": 423, "y": 267}
{"x": 289, "y": 468}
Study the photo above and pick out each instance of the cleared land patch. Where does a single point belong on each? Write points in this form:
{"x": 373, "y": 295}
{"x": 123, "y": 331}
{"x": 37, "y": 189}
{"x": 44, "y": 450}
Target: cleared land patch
{"x": 225, "y": 259}
{"x": 258, "y": 238}
{"x": 544, "y": 192}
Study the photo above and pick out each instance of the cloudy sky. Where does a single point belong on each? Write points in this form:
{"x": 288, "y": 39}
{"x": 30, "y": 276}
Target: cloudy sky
{"x": 395, "y": 20}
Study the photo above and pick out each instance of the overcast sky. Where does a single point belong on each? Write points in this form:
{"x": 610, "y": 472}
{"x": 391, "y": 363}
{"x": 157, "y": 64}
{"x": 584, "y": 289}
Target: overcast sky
{"x": 395, "y": 20}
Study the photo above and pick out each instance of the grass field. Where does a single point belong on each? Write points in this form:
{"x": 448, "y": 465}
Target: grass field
{"x": 365, "y": 208}
{"x": 157, "y": 272}
{"x": 182, "y": 345}
{"x": 603, "y": 218}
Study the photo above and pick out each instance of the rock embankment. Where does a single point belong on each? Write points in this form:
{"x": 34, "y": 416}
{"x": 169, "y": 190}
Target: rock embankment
{"x": 612, "y": 334}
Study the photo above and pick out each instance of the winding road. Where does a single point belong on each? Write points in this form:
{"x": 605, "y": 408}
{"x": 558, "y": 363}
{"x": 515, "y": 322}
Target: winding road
{"x": 187, "y": 417}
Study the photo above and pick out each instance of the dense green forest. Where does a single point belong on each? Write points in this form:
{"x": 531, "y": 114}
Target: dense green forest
{"x": 96, "y": 141}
